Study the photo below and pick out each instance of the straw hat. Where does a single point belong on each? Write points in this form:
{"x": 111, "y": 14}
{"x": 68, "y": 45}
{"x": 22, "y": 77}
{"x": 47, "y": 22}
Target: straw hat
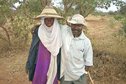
{"x": 48, "y": 11}
{"x": 77, "y": 19}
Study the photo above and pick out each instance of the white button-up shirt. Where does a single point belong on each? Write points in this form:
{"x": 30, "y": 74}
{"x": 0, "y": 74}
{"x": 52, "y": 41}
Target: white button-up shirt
{"x": 76, "y": 53}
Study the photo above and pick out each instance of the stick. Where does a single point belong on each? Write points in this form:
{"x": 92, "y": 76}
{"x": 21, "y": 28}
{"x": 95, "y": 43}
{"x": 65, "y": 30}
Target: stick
{"x": 90, "y": 78}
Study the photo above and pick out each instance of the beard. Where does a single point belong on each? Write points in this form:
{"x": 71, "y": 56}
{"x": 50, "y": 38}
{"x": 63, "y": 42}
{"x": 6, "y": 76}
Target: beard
{"x": 76, "y": 32}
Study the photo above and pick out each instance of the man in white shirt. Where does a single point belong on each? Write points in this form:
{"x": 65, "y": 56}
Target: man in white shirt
{"x": 76, "y": 52}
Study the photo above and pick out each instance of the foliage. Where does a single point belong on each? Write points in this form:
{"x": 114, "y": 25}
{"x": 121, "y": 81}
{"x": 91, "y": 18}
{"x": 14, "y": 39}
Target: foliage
{"x": 20, "y": 29}
{"x": 83, "y": 7}
{"x": 4, "y": 11}
{"x": 86, "y": 7}
{"x": 5, "y": 14}
{"x": 14, "y": 24}
{"x": 124, "y": 26}
{"x": 17, "y": 24}
{"x": 118, "y": 17}
{"x": 123, "y": 10}
{"x": 33, "y": 6}
{"x": 121, "y": 16}
{"x": 107, "y": 3}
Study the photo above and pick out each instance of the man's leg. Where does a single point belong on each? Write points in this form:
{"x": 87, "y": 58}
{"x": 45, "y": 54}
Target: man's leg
{"x": 65, "y": 82}
{"x": 81, "y": 80}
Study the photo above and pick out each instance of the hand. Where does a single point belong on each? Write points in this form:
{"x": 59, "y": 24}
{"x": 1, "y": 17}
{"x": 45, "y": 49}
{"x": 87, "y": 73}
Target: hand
{"x": 88, "y": 68}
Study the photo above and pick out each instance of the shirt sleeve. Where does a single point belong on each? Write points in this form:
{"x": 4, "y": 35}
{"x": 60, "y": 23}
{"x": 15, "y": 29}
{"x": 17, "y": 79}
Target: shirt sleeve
{"x": 88, "y": 55}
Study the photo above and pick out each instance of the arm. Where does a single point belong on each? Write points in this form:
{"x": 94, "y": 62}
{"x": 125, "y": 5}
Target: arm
{"x": 30, "y": 64}
{"x": 88, "y": 57}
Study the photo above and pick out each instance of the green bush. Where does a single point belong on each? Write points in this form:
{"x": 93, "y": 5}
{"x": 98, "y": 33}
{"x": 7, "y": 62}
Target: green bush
{"x": 21, "y": 27}
{"x": 118, "y": 17}
{"x": 124, "y": 25}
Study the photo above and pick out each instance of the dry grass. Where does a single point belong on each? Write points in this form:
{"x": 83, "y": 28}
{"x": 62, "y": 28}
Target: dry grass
{"x": 109, "y": 50}
{"x": 104, "y": 33}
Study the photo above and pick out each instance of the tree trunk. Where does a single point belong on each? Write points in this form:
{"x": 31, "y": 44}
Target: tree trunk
{"x": 45, "y": 2}
{"x": 7, "y": 34}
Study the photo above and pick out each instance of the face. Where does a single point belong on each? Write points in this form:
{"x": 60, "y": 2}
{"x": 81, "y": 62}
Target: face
{"x": 49, "y": 21}
{"x": 76, "y": 29}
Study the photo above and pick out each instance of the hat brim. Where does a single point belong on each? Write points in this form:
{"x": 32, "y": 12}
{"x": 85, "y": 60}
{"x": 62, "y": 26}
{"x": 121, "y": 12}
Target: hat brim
{"x": 49, "y": 16}
{"x": 74, "y": 22}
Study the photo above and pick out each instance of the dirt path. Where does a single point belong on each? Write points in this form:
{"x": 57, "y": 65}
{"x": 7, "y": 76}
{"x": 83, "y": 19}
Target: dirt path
{"x": 12, "y": 68}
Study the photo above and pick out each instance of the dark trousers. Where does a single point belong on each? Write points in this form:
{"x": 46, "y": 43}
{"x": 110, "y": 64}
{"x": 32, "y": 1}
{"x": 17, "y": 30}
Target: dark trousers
{"x": 81, "y": 80}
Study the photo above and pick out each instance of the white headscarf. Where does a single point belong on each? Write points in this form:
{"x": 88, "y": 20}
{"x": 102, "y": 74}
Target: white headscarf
{"x": 51, "y": 39}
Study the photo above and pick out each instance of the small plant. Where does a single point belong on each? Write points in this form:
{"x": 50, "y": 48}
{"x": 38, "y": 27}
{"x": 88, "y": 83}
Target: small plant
{"x": 124, "y": 26}
{"x": 118, "y": 17}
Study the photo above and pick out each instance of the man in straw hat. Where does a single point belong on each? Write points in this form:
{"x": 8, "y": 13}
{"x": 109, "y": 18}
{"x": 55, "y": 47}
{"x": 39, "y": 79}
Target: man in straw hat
{"x": 46, "y": 43}
{"x": 76, "y": 53}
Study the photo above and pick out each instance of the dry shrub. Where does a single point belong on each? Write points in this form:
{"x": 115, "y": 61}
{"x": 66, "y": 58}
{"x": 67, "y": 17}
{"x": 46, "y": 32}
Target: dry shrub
{"x": 109, "y": 50}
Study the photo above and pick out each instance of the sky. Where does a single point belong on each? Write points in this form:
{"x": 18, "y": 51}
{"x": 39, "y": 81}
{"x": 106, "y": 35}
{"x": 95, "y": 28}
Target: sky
{"x": 111, "y": 8}
{"x": 16, "y": 5}
{"x": 56, "y": 2}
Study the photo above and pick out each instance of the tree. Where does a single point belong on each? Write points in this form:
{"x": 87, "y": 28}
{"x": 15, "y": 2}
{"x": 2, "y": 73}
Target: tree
{"x": 123, "y": 10}
{"x": 5, "y": 13}
{"x": 86, "y": 7}
{"x": 23, "y": 16}
{"x": 10, "y": 19}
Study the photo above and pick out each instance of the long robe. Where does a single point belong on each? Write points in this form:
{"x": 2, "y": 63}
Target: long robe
{"x": 33, "y": 56}
{"x": 42, "y": 66}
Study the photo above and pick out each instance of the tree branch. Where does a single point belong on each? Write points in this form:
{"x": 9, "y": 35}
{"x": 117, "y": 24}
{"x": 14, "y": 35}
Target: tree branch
{"x": 7, "y": 34}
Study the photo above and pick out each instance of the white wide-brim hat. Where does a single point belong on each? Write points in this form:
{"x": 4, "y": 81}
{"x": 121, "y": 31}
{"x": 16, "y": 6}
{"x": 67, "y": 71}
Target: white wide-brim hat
{"x": 48, "y": 11}
{"x": 77, "y": 19}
